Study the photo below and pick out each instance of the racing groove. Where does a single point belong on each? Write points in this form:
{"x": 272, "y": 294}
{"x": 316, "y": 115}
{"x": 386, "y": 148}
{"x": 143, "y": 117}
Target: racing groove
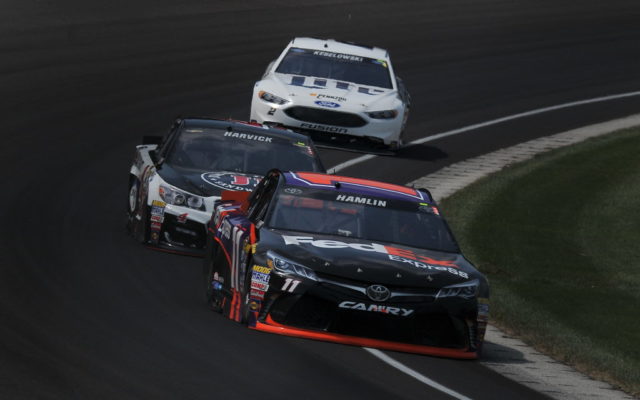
{"x": 87, "y": 313}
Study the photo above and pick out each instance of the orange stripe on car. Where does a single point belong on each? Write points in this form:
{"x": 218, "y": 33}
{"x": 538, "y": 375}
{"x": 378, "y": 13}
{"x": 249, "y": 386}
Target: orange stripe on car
{"x": 272, "y": 326}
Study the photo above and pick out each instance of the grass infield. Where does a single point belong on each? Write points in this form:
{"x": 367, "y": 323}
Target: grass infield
{"x": 559, "y": 239}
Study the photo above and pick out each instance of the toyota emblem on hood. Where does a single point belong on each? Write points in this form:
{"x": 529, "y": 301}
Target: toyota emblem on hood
{"x": 378, "y": 293}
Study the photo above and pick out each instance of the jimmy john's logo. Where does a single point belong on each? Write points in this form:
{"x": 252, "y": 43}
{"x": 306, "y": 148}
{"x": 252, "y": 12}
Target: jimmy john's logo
{"x": 361, "y": 200}
{"x": 228, "y": 181}
{"x": 398, "y": 311}
{"x": 249, "y": 136}
{"x": 404, "y": 256}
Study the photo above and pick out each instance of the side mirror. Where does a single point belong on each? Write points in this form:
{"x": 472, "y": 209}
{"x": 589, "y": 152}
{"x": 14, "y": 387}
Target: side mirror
{"x": 151, "y": 139}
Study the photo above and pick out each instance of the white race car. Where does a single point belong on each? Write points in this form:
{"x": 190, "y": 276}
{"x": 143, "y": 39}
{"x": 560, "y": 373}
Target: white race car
{"x": 335, "y": 91}
{"x": 175, "y": 180}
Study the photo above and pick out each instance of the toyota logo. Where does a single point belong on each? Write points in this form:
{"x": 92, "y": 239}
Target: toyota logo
{"x": 378, "y": 293}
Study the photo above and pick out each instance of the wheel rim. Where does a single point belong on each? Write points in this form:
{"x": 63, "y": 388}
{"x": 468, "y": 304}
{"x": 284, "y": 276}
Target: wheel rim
{"x": 133, "y": 197}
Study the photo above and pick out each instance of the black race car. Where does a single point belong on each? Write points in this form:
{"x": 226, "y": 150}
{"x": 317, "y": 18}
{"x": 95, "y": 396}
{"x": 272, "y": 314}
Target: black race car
{"x": 344, "y": 260}
{"x": 174, "y": 181}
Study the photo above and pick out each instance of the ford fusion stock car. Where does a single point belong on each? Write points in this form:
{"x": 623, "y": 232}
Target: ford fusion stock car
{"x": 338, "y": 92}
{"x": 174, "y": 181}
{"x": 345, "y": 260}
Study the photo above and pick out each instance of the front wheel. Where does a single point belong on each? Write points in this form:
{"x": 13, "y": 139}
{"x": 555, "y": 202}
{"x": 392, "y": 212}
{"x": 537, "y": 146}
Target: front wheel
{"x": 212, "y": 297}
{"x": 132, "y": 204}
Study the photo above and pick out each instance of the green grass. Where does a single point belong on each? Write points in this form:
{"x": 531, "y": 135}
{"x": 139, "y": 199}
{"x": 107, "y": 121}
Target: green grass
{"x": 559, "y": 239}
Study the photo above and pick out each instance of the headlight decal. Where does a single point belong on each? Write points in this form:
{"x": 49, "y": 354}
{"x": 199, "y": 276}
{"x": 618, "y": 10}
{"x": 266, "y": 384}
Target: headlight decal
{"x": 466, "y": 290}
{"x": 272, "y": 98}
{"x": 178, "y": 197}
{"x": 385, "y": 114}
{"x": 285, "y": 266}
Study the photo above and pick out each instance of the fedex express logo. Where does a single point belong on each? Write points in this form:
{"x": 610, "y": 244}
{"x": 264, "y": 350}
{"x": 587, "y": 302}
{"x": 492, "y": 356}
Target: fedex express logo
{"x": 394, "y": 253}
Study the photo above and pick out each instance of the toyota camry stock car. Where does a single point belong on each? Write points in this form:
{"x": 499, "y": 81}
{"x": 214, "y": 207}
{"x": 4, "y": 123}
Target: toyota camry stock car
{"x": 345, "y": 260}
{"x": 174, "y": 182}
{"x": 339, "y": 92}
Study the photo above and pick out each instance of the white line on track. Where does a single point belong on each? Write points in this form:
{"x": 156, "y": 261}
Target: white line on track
{"x": 401, "y": 367}
{"x": 468, "y": 128}
{"x": 379, "y": 354}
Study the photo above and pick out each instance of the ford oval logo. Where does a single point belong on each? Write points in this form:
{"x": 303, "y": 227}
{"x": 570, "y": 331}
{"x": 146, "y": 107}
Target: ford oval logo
{"x": 329, "y": 104}
{"x": 378, "y": 293}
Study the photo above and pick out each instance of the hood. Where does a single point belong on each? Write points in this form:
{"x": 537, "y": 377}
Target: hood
{"x": 368, "y": 261}
{"x": 207, "y": 184}
{"x": 331, "y": 94}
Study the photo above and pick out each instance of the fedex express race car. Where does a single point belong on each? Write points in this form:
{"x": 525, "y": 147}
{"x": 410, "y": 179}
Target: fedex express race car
{"x": 338, "y": 92}
{"x": 345, "y": 260}
{"x": 173, "y": 184}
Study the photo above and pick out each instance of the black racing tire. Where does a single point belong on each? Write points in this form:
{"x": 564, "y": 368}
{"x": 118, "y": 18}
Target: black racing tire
{"x": 132, "y": 203}
{"x": 244, "y": 311}
{"x": 134, "y": 194}
{"x": 211, "y": 252}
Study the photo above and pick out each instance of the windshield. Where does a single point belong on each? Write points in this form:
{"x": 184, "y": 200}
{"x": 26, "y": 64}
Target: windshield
{"x": 210, "y": 149}
{"x": 341, "y": 67}
{"x": 364, "y": 217}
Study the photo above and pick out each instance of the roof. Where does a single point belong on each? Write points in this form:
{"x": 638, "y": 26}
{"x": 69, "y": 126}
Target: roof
{"x": 356, "y": 186}
{"x": 337, "y": 46}
{"x": 242, "y": 126}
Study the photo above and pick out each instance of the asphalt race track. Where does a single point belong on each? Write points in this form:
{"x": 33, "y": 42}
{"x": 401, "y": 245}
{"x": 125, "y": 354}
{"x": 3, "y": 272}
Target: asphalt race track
{"x": 85, "y": 312}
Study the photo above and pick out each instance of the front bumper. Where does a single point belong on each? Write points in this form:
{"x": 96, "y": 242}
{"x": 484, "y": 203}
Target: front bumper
{"x": 318, "y": 120}
{"x": 446, "y": 328}
{"x": 273, "y": 327}
{"x": 179, "y": 230}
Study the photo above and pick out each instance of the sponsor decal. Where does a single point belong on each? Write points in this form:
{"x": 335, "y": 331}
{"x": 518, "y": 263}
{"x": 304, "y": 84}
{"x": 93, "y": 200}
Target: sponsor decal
{"x": 156, "y": 226}
{"x": 156, "y": 218}
{"x": 261, "y": 269}
{"x": 324, "y": 128}
{"x": 257, "y": 294}
{"x": 259, "y": 286}
{"x": 157, "y": 211}
{"x": 398, "y": 311}
{"x": 238, "y": 182}
{"x": 361, "y": 200}
{"x": 328, "y": 104}
{"x": 182, "y": 218}
{"x": 253, "y": 305}
{"x": 338, "y": 56}
{"x": 158, "y": 203}
{"x": 394, "y": 253}
{"x": 418, "y": 264}
{"x": 249, "y": 136}
{"x": 260, "y": 277}
{"x": 328, "y": 97}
